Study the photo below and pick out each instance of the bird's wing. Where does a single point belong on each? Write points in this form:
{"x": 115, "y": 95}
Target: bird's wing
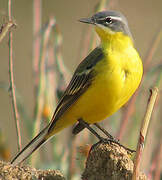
{"x": 79, "y": 83}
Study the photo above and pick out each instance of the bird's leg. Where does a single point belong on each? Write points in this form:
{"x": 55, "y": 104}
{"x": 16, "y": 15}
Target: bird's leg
{"x": 105, "y": 132}
{"x": 90, "y": 129}
{"x": 110, "y": 140}
{"x": 86, "y": 125}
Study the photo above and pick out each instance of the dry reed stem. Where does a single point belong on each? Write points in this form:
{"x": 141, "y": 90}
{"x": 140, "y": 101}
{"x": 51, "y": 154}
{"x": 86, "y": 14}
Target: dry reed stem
{"x": 143, "y": 132}
{"x": 5, "y": 28}
{"x": 59, "y": 59}
{"x": 40, "y": 98}
{"x": 11, "y": 81}
{"x": 37, "y": 12}
{"x": 52, "y": 84}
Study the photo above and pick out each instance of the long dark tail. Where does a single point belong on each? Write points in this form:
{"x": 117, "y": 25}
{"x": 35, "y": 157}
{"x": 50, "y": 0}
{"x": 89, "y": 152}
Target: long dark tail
{"x": 30, "y": 147}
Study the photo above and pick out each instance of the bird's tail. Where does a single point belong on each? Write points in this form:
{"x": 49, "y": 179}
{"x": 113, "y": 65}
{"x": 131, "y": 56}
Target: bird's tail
{"x": 31, "y": 147}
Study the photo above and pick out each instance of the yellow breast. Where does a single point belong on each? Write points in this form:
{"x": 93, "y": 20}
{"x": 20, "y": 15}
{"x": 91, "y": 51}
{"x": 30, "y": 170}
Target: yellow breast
{"x": 118, "y": 75}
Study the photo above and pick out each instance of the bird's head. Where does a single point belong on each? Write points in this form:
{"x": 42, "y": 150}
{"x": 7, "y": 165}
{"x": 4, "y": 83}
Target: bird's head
{"x": 108, "y": 23}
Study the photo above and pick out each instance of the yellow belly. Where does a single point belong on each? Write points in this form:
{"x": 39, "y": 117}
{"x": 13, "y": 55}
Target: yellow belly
{"x": 113, "y": 85}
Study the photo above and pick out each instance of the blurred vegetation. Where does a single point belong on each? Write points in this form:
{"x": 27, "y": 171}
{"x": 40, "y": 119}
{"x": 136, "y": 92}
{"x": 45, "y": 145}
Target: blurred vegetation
{"x": 50, "y": 78}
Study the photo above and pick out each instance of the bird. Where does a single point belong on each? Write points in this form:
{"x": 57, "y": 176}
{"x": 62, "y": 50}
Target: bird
{"x": 101, "y": 84}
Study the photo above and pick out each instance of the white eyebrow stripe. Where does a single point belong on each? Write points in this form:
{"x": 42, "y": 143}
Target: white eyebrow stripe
{"x": 113, "y": 17}
{"x": 116, "y": 18}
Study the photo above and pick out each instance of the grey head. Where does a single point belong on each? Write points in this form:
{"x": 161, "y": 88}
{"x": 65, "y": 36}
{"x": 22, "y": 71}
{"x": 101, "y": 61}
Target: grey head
{"x": 113, "y": 20}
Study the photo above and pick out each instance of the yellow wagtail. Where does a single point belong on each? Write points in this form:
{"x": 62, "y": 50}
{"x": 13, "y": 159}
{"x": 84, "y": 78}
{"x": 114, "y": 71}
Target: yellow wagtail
{"x": 101, "y": 84}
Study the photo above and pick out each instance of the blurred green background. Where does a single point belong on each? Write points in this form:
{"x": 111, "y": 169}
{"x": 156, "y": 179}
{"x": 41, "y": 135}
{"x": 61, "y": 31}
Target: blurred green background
{"x": 145, "y": 20}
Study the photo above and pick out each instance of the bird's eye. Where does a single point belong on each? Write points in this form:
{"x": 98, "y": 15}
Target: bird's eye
{"x": 108, "y": 20}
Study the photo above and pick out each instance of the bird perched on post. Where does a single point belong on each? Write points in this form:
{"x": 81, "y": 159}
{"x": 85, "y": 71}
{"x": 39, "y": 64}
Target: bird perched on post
{"x": 102, "y": 83}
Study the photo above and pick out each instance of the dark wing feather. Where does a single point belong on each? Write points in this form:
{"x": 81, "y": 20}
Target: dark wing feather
{"x": 79, "y": 83}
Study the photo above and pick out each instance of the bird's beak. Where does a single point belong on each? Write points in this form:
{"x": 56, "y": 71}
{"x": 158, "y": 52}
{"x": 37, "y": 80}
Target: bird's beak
{"x": 87, "y": 20}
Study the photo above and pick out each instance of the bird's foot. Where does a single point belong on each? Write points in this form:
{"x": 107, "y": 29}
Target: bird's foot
{"x": 110, "y": 141}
